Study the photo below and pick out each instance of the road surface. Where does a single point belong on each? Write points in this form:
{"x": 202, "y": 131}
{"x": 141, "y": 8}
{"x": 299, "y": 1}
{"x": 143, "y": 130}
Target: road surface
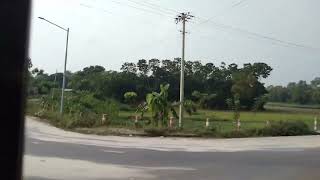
{"x": 54, "y": 154}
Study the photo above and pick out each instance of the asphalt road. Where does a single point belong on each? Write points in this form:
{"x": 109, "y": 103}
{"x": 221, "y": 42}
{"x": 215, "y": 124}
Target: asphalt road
{"x": 53, "y": 160}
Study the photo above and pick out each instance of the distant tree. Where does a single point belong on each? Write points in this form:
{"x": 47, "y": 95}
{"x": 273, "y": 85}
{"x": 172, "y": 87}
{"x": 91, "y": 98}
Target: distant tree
{"x": 143, "y": 67}
{"x": 259, "y": 70}
{"x": 278, "y": 94}
{"x": 154, "y": 65}
{"x": 129, "y": 68}
{"x": 35, "y": 71}
{"x": 244, "y": 84}
{"x": 215, "y": 82}
{"x": 92, "y": 69}
{"x": 300, "y": 92}
{"x": 259, "y": 103}
{"x": 316, "y": 82}
{"x": 203, "y": 99}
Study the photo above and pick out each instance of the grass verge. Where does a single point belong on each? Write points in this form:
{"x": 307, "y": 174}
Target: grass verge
{"x": 221, "y": 124}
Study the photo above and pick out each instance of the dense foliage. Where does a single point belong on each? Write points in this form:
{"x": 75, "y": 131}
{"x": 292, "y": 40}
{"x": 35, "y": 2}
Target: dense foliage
{"x": 300, "y": 93}
{"x": 282, "y": 128}
{"x": 81, "y": 109}
{"x": 207, "y": 84}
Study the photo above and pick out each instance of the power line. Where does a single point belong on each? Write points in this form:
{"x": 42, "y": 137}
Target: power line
{"x": 155, "y": 5}
{"x": 92, "y": 7}
{"x": 141, "y": 9}
{"x": 157, "y": 11}
{"x": 261, "y": 36}
{"x": 228, "y": 8}
{"x": 207, "y": 36}
{"x": 237, "y": 4}
{"x": 151, "y": 6}
{"x": 151, "y": 10}
{"x": 252, "y": 34}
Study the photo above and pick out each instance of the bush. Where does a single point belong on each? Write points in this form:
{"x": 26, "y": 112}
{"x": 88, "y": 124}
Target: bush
{"x": 81, "y": 109}
{"x": 237, "y": 134}
{"x": 190, "y": 107}
{"x": 206, "y": 132}
{"x": 286, "y": 128}
{"x": 73, "y": 121}
{"x": 282, "y": 128}
{"x": 154, "y": 132}
{"x": 125, "y": 107}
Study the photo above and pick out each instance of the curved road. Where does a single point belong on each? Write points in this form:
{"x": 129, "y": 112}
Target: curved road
{"x": 54, "y": 154}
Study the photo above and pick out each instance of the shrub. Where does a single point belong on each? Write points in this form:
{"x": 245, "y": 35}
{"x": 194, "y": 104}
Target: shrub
{"x": 154, "y": 132}
{"x": 81, "y": 109}
{"x": 286, "y": 128}
{"x": 85, "y": 121}
{"x": 237, "y": 134}
{"x": 282, "y": 128}
{"x": 206, "y": 132}
{"x": 190, "y": 107}
{"x": 125, "y": 107}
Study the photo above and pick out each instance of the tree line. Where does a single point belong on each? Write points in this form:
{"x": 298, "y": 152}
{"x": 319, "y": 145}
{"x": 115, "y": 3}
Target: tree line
{"x": 300, "y": 92}
{"x": 212, "y": 86}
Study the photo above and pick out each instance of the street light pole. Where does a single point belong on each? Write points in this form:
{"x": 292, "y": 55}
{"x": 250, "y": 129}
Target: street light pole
{"x": 64, "y": 74}
{"x": 65, "y": 63}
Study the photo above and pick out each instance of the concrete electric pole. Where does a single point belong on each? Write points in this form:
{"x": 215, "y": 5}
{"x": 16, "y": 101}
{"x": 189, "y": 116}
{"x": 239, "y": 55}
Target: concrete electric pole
{"x": 182, "y": 17}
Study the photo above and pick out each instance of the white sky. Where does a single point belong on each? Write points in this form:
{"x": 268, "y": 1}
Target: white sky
{"x": 114, "y": 31}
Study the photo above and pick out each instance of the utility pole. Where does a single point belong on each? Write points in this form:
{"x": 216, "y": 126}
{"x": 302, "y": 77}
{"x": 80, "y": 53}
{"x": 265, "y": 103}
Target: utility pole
{"x": 182, "y": 17}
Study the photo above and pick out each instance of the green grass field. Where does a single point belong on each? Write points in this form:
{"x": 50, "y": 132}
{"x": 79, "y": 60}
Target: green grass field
{"x": 221, "y": 120}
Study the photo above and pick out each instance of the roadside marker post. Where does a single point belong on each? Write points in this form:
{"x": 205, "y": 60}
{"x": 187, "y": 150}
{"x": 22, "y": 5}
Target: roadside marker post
{"x": 136, "y": 121}
{"x": 207, "y": 123}
{"x": 267, "y": 123}
{"x": 238, "y": 124}
{"x": 103, "y": 120}
{"x": 171, "y": 121}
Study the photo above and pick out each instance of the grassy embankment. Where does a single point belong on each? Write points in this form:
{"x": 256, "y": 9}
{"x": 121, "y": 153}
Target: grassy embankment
{"x": 221, "y": 122}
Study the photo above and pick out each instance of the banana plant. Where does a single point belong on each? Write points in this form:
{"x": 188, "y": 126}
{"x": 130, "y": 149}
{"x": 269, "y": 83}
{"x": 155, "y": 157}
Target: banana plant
{"x": 159, "y": 106}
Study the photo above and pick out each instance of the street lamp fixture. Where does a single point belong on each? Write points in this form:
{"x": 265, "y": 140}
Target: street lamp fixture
{"x": 65, "y": 62}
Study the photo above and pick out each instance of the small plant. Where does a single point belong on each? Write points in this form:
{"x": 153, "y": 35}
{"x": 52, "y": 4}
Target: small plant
{"x": 235, "y": 105}
{"x": 190, "y": 107}
{"x": 130, "y": 97}
{"x": 142, "y": 108}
